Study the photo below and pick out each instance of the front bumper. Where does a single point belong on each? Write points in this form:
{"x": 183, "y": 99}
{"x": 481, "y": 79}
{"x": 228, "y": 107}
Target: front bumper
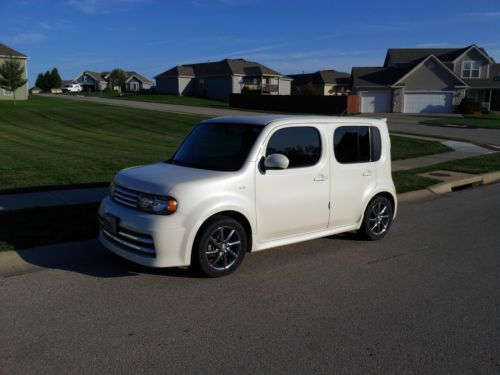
{"x": 160, "y": 241}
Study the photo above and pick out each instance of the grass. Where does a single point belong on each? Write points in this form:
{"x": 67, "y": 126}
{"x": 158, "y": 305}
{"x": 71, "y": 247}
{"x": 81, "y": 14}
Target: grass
{"x": 408, "y": 180}
{"x": 22, "y": 229}
{"x": 161, "y": 98}
{"x": 48, "y": 143}
{"x": 406, "y": 148}
{"x": 491, "y": 121}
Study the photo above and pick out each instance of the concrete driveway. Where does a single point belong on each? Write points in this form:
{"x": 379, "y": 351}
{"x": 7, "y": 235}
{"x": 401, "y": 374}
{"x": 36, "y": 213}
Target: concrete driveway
{"x": 409, "y": 123}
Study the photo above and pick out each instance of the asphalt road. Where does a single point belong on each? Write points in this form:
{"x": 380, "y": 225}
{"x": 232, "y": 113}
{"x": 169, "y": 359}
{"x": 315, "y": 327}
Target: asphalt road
{"x": 422, "y": 301}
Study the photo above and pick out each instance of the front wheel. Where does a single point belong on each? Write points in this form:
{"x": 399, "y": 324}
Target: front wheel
{"x": 220, "y": 247}
{"x": 377, "y": 219}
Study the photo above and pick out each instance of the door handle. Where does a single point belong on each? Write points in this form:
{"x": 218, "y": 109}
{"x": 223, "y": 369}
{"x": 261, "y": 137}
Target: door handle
{"x": 367, "y": 173}
{"x": 320, "y": 178}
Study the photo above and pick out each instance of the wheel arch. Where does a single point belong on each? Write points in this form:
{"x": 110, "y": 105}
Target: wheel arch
{"x": 238, "y": 216}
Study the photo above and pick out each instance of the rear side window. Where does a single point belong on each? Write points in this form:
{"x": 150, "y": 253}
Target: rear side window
{"x": 301, "y": 145}
{"x": 357, "y": 144}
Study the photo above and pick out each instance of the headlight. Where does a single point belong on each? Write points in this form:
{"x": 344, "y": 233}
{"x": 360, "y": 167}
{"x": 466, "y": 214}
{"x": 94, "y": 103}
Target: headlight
{"x": 156, "y": 204}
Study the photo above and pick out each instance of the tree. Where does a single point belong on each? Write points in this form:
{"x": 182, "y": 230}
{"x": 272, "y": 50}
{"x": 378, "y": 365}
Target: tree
{"x": 55, "y": 78}
{"x": 46, "y": 79}
{"x": 11, "y": 75}
{"x": 40, "y": 82}
{"x": 117, "y": 79}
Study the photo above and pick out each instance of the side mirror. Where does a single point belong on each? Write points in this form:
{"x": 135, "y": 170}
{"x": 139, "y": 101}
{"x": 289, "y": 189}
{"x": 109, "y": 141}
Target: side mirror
{"x": 276, "y": 161}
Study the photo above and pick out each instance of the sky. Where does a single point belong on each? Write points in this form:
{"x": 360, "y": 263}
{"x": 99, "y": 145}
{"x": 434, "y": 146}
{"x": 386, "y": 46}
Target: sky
{"x": 290, "y": 36}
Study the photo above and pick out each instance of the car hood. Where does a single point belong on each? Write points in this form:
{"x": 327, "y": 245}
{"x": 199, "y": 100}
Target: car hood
{"x": 160, "y": 178}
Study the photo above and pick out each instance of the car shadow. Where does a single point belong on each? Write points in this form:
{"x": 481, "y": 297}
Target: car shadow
{"x": 89, "y": 258}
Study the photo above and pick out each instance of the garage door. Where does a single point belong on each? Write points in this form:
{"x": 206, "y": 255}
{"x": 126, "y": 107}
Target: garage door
{"x": 374, "y": 101}
{"x": 429, "y": 102}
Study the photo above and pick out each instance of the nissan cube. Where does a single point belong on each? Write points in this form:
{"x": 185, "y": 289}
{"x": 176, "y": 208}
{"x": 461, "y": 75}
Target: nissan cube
{"x": 245, "y": 184}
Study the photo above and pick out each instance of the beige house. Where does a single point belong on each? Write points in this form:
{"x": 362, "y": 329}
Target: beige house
{"x": 22, "y": 92}
{"x": 322, "y": 82}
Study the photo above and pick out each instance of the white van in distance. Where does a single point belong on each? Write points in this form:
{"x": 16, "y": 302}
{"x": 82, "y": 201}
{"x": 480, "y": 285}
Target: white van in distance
{"x": 244, "y": 184}
{"x": 72, "y": 87}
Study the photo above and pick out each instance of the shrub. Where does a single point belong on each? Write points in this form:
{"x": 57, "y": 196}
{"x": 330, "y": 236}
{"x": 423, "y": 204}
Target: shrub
{"x": 468, "y": 107}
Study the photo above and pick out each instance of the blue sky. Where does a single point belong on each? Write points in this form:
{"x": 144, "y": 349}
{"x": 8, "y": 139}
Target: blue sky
{"x": 290, "y": 36}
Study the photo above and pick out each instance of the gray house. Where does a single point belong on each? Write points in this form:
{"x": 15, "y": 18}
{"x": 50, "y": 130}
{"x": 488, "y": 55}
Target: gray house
{"x": 322, "y": 82}
{"x": 219, "y": 79}
{"x": 94, "y": 81}
{"x": 428, "y": 80}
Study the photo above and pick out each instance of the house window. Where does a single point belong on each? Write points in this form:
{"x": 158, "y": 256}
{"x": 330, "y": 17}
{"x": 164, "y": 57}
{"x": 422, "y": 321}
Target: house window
{"x": 470, "y": 69}
{"x": 7, "y": 92}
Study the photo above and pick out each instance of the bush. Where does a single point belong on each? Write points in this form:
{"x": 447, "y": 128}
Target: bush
{"x": 468, "y": 107}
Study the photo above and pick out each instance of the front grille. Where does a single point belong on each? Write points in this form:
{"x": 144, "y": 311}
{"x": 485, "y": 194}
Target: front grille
{"x": 125, "y": 196}
{"x": 140, "y": 243}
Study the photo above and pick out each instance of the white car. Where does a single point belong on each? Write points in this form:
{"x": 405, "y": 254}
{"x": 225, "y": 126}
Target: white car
{"x": 73, "y": 87}
{"x": 244, "y": 184}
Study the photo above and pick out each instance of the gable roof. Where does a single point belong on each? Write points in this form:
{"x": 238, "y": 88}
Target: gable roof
{"x": 439, "y": 62}
{"x": 416, "y": 55}
{"x": 138, "y": 76}
{"x": 7, "y": 51}
{"x": 219, "y": 68}
{"x": 94, "y": 75}
{"x": 322, "y": 77}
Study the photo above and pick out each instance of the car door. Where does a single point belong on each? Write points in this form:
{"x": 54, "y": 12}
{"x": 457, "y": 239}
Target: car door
{"x": 294, "y": 200}
{"x": 353, "y": 172}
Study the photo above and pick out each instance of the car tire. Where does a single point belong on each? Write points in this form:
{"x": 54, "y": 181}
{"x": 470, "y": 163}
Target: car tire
{"x": 220, "y": 247}
{"x": 377, "y": 219}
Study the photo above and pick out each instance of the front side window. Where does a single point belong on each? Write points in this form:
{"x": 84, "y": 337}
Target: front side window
{"x": 301, "y": 145}
{"x": 470, "y": 69}
{"x": 217, "y": 146}
{"x": 357, "y": 144}
{"x": 7, "y": 92}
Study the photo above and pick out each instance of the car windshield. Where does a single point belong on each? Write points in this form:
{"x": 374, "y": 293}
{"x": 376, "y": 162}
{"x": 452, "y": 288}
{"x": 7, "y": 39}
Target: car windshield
{"x": 217, "y": 146}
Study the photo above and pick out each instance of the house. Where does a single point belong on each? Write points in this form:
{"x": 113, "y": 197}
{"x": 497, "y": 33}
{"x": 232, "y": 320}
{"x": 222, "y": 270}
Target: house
{"x": 423, "y": 80}
{"x": 322, "y": 82}
{"x": 21, "y": 92}
{"x": 219, "y": 79}
{"x": 35, "y": 90}
{"x": 93, "y": 81}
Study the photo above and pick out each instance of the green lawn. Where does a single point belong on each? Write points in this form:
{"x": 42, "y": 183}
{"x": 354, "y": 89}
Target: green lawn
{"x": 160, "y": 98}
{"x": 50, "y": 143}
{"x": 491, "y": 121}
{"x": 47, "y": 142}
{"x": 408, "y": 180}
{"x": 406, "y": 148}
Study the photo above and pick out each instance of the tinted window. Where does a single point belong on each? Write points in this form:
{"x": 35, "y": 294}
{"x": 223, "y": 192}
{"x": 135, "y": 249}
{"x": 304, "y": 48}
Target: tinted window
{"x": 217, "y": 146}
{"x": 357, "y": 144}
{"x": 302, "y": 145}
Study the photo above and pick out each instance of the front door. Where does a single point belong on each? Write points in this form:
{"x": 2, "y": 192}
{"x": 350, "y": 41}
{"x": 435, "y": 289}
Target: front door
{"x": 294, "y": 200}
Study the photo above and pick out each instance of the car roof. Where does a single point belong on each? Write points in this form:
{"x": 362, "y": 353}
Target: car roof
{"x": 306, "y": 119}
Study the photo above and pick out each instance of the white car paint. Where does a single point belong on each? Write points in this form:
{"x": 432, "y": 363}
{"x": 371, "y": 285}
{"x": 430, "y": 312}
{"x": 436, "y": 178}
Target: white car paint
{"x": 280, "y": 206}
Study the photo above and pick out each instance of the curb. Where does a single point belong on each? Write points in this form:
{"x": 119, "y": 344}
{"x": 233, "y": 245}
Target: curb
{"x": 448, "y": 187}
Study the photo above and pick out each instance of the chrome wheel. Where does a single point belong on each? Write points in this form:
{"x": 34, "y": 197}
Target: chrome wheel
{"x": 379, "y": 218}
{"x": 223, "y": 248}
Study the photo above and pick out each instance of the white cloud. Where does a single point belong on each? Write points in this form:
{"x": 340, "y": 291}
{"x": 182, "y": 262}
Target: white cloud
{"x": 25, "y": 38}
{"x": 485, "y": 14}
{"x": 100, "y": 6}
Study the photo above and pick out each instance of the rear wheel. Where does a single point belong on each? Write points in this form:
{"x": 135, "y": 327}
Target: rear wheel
{"x": 377, "y": 219}
{"x": 220, "y": 246}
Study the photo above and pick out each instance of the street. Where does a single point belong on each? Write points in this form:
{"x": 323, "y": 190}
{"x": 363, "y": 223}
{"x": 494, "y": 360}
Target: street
{"x": 423, "y": 300}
